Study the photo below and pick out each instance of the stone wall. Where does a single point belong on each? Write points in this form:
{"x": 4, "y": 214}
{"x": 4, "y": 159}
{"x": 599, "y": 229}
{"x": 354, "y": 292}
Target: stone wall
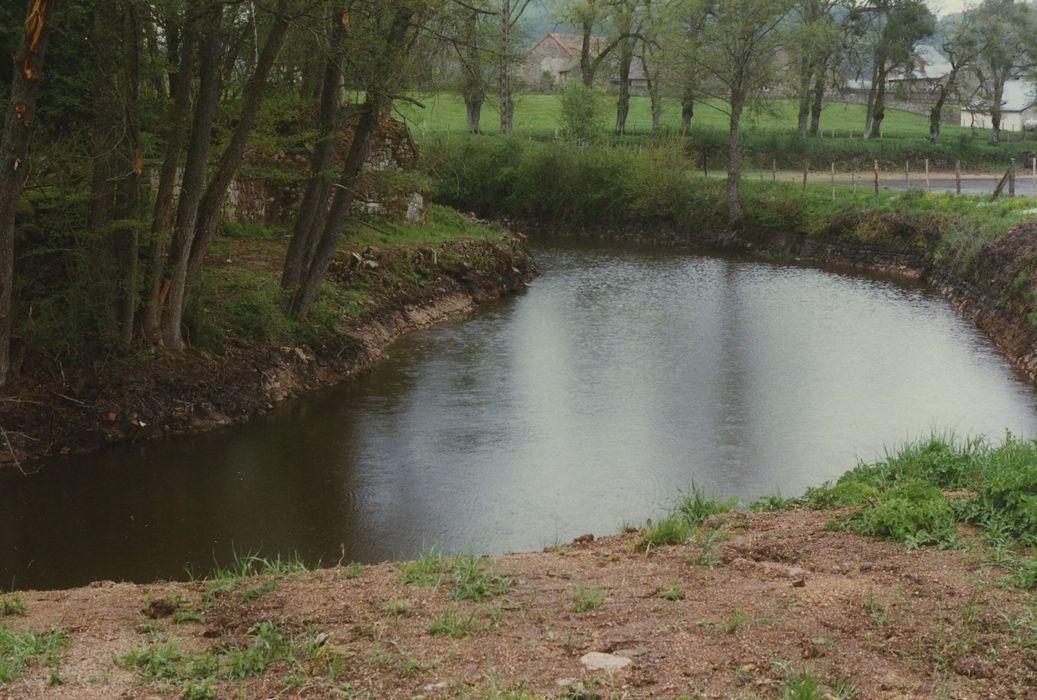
{"x": 274, "y": 201}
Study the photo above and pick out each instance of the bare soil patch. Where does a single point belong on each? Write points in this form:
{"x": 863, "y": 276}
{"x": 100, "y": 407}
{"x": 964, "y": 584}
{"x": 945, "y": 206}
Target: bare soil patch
{"x": 780, "y": 597}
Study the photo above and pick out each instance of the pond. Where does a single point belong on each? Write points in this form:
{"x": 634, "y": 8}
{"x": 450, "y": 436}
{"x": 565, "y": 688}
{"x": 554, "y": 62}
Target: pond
{"x": 620, "y": 377}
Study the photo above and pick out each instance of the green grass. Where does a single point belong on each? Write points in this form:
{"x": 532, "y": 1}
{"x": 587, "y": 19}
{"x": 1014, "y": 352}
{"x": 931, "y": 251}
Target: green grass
{"x": 919, "y": 493}
{"x": 251, "y": 574}
{"x": 766, "y": 136}
{"x": 469, "y": 577}
{"x": 673, "y": 593}
{"x": 195, "y": 674}
{"x": 11, "y": 604}
{"x": 691, "y": 511}
{"x": 453, "y": 623}
{"x": 19, "y": 650}
{"x": 585, "y": 599}
{"x": 538, "y": 114}
{"x": 802, "y": 686}
{"x": 442, "y": 224}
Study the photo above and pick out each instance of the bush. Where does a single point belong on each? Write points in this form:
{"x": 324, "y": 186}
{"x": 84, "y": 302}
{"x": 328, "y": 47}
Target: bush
{"x": 580, "y": 119}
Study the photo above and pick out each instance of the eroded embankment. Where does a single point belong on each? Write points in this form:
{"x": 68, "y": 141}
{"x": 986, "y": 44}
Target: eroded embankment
{"x": 169, "y": 394}
{"x": 991, "y": 285}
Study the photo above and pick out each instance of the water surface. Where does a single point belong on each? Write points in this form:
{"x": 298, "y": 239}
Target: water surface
{"x": 620, "y": 377}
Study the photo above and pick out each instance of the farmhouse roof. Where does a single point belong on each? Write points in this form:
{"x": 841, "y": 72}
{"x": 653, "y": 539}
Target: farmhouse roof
{"x": 572, "y": 44}
{"x": 931, "y": 62}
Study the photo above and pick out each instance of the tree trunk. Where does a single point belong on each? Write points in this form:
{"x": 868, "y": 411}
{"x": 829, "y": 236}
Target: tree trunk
{"x": 375, "y": 103}
{"x": 14, "y": 152}
{"x": 472, "y": 66}
{"x": 687, "y": 110}
{"x": 473, "y": 112}
{"x": 995, "y": 109}
{"x": 162, "y": 216}
{"x": 211, "y": 207}
{"x": 586, "y": 60}
{"x": 936, "y": 113}
{"x": 805, "y": 76}
{"x": 339, "y": 211}
{"x": 872, "y": 91}
{"x": 819, "y": 102}
{"x": 734, "y": 204}
{"x": 133, "y": 182}
{"x": 504, "y": 77}
{"x": 626, "y": 58}
{"x": 315, "y": 199}
{"x": 193, "y": 185}
{"x": 878, "y": 110}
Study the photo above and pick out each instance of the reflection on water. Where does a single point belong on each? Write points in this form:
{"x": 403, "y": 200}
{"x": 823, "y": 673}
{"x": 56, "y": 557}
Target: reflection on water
{"x": 620, "y": 377}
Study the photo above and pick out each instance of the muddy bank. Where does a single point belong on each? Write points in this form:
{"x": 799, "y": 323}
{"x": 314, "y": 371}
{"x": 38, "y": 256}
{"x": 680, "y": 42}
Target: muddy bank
{"x": 160, "y": 395}
{"x": 994, "y": 286}
{"x": 754, "y": 606}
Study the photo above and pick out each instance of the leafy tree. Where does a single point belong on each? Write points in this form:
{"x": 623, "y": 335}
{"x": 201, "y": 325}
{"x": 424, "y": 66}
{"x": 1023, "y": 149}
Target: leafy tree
{"x": 897, "y": 26}
{"x": 962, "y": 44}
{"x": 1004, "y": 28}
{"x": 737, "y": 52}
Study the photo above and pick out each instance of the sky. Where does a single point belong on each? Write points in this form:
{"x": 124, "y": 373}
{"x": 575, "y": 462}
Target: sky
{"x": 943, "y": 7}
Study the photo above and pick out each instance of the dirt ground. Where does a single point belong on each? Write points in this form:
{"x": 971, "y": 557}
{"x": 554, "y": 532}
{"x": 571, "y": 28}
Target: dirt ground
{"x": 737, "y": 614}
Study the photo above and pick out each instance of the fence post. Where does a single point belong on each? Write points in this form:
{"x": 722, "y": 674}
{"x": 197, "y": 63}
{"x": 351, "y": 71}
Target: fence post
{"x": 774, "y": 169}
{"x": 1033, "y": 176}
{"x": 957, "y": 177}
{"x": 853, "y": 179}
{"x": 876, "y": 177}
{"x": 928, "y": 182}
{"x": 907, "y": 173}
{"x": 806, "y": 172}
{"x": 1011, "y": 178}
{"x": 833, "y": 182}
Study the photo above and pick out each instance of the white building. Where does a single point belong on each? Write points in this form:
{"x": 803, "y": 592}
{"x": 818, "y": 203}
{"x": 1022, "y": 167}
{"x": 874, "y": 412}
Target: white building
{"x": 1017, "y": 106}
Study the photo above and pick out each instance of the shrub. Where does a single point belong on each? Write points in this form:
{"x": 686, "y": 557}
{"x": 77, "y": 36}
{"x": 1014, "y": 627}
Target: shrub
{"x": 580, "y": 119}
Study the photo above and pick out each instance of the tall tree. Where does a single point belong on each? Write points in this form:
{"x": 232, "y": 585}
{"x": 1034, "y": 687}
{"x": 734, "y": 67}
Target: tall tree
{"x": 898, "y": 26}
{"x": 1004, "y": 28}
{"x": 511, "y": 12}
{"x": 738, "y": 54}
{"x": 117, "y": 164}
{"x": 196, "y": 231}
{"x": 14, "y": 155}
{"x": 311, "y": 219}
{"x": 391, "y": 31}
{"x": 962, "y": 45}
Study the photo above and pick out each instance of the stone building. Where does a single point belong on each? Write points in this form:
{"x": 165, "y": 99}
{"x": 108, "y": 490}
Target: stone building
{"x": 555, "y": 58}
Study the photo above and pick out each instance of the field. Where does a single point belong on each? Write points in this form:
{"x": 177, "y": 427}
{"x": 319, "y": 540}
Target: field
{"x": 537, "y": 115}
{"x": 768, "y": 135}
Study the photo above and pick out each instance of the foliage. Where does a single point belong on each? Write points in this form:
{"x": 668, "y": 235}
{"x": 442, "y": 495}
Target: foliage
{"x": 580, "y": 117}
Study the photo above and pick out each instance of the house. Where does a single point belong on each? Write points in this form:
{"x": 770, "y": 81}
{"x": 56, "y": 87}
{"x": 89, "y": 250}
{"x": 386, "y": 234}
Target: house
{"x": 555, "y": 58}
{"x": 926, "y": 72}
{"x": 1018, "y": 105}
